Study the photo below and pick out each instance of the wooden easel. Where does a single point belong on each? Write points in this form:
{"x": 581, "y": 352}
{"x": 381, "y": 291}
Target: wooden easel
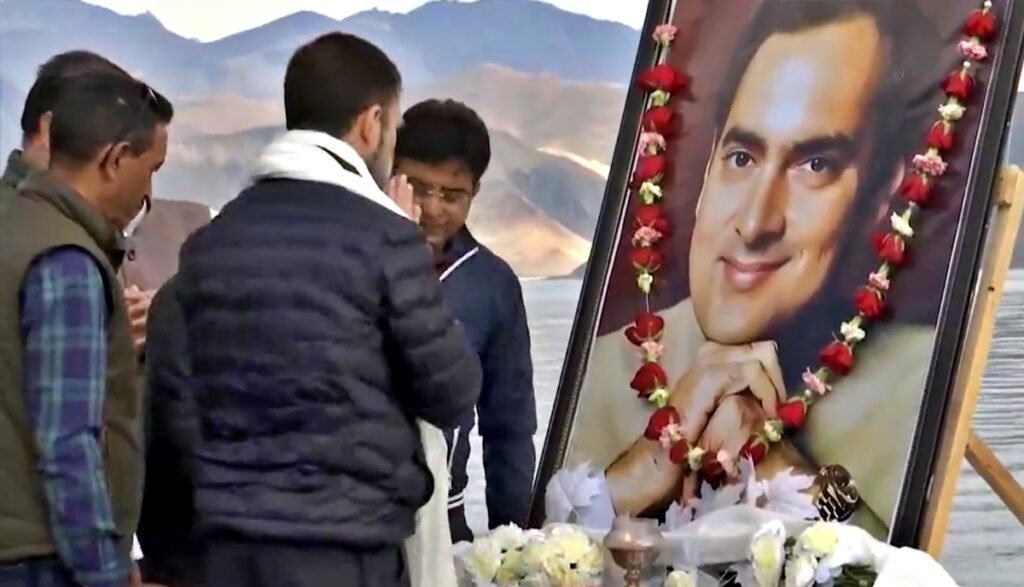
{"x": 959, "y": 440}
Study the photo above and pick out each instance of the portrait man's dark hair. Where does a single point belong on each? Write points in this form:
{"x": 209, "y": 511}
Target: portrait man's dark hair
{"x": 436, "y": 131}
{"x": 103, "y": 109}
{"x": 53, "y": 78}
{"x": 904, "y": 102}
{"x": 332, "y": 79}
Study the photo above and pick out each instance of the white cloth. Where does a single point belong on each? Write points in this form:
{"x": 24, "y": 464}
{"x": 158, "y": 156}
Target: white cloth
{"x": 299, "y": 154}
{"x": 136, "y": 548}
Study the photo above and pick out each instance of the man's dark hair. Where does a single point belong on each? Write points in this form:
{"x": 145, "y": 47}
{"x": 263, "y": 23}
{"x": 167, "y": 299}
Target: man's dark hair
{"x": 334, "y": 78}
{"x": 902, "y": 105}
{"x": 436, "y": 131}
{"x": 53, "y": 78}
{"x": 102, "y": 109}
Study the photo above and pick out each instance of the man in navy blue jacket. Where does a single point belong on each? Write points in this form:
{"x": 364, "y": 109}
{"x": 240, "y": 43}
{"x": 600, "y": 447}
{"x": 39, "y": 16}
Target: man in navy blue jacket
{"x": 316, "y": 335}
{"x": 444, "y": 148}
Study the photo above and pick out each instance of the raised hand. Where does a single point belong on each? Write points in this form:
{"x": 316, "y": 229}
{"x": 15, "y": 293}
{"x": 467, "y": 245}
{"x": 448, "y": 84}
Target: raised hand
{"x": 138, "y": 303}
{"x": 401, "y": 192}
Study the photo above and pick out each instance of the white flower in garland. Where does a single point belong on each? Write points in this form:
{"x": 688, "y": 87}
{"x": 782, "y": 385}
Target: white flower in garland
{"x": 650, "y": 192}
{"x": 901, "y": 225}
{"x": 660, "y": 98}
{"x": 694, "y": 458}
{"x": 852, "y": 332}
{"x": 952, "y": 111}
{"x": 645, "y": 281}
{"x": 773, "y": 430}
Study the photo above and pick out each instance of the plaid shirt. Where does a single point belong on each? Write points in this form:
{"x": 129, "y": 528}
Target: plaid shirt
{"x": 63, "y": 323}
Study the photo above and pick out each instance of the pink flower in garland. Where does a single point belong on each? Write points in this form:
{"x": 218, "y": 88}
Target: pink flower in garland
{"x": 645, "y": 236}
{"x": 815, "y": 383}
{"x": 930, "y": 163}
{"x": 728, "y": 464}
{"x": 664, "y": 34}
{"x": 652, "y": 350}
{"x": 651, "y": 143}
{"x": 878, "y": 281}
{"x": 973, "y": 50}
{"x": 670, "y": 435}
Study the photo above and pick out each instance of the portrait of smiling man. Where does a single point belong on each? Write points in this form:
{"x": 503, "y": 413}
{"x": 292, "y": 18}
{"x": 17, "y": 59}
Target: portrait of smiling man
{"x": 807, "y": 150}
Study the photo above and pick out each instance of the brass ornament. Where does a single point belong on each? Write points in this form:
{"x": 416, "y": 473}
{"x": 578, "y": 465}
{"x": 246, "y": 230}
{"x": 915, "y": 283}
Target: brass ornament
{"x": 838, "y": 496}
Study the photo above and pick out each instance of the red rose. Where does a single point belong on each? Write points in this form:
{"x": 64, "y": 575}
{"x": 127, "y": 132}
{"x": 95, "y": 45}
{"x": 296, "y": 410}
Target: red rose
{"x": 648, "y": 378}
{"x": 869, "y": 302}
{"x": 958, "y": 85}
{"x": 645, "y": 327}
{"x": 648, "y": 167}
{"x": 837, "y": 357}
{"x": 981, "y": 24}
{"x": 710, "y": 468}
{"x": 679, "y": 453}
{"x": 916, "y": 188}
{"x": 646, "y": 259}
{"x": 890, "y": 246}
{"x": 661, "y": 419}
{"x": 941, "y": 136}
{"x": 659, "y": 120}
{"x": 793, "y": 413}
{"x": 663, "y": 77}
{"x": 651, "y": 216}
{"x": 755, "y": 449}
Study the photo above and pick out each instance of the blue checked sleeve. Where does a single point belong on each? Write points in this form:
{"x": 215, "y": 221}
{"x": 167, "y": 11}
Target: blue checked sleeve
{"x": 63, "y": 324}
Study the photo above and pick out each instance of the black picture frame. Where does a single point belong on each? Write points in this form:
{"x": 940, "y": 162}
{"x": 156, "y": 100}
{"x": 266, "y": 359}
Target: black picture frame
{"x": 955, "y": 309}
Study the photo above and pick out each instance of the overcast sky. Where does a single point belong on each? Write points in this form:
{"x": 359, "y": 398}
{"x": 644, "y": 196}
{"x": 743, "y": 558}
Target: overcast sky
{"x": 208, "y": 20}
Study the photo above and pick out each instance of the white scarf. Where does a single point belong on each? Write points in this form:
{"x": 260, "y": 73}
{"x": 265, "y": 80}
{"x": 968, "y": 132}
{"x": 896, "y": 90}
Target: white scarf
{"x": 299, "y": 154}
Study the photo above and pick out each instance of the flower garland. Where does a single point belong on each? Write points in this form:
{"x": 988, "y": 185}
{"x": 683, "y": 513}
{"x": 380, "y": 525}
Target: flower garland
{"x": 837, "y": 359}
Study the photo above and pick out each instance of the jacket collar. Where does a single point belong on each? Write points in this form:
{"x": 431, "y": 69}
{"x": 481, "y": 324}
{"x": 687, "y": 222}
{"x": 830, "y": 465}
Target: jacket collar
{"x": 457, "y": 250}
{"x": 16, "y": 171}
{"x": 42, "y": 186}
{"x": 459, "y": 245}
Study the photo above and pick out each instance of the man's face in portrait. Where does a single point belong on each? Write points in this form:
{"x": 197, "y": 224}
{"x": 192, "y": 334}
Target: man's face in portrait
{"x": 783, "y": 178}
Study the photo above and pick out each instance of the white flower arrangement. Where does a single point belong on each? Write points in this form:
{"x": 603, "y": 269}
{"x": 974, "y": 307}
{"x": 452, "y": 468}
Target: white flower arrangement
{"x": 561, "y": 556}
{"x": 837, "y": 555}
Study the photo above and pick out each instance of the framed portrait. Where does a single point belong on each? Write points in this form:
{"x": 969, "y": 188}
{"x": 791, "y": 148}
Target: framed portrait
{"x": 808, "y": 185}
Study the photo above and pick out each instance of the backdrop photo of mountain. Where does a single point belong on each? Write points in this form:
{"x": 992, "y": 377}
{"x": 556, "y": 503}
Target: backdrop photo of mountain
{"x": 552, "y": 99}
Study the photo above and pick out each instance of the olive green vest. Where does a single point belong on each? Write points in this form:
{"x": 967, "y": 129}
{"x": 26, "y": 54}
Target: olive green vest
{"x": 44, "y": 215}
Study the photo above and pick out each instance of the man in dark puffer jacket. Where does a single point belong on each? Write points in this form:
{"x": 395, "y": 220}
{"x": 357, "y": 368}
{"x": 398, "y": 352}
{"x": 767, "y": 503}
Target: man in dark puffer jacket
{"x": 317, "y": 334}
